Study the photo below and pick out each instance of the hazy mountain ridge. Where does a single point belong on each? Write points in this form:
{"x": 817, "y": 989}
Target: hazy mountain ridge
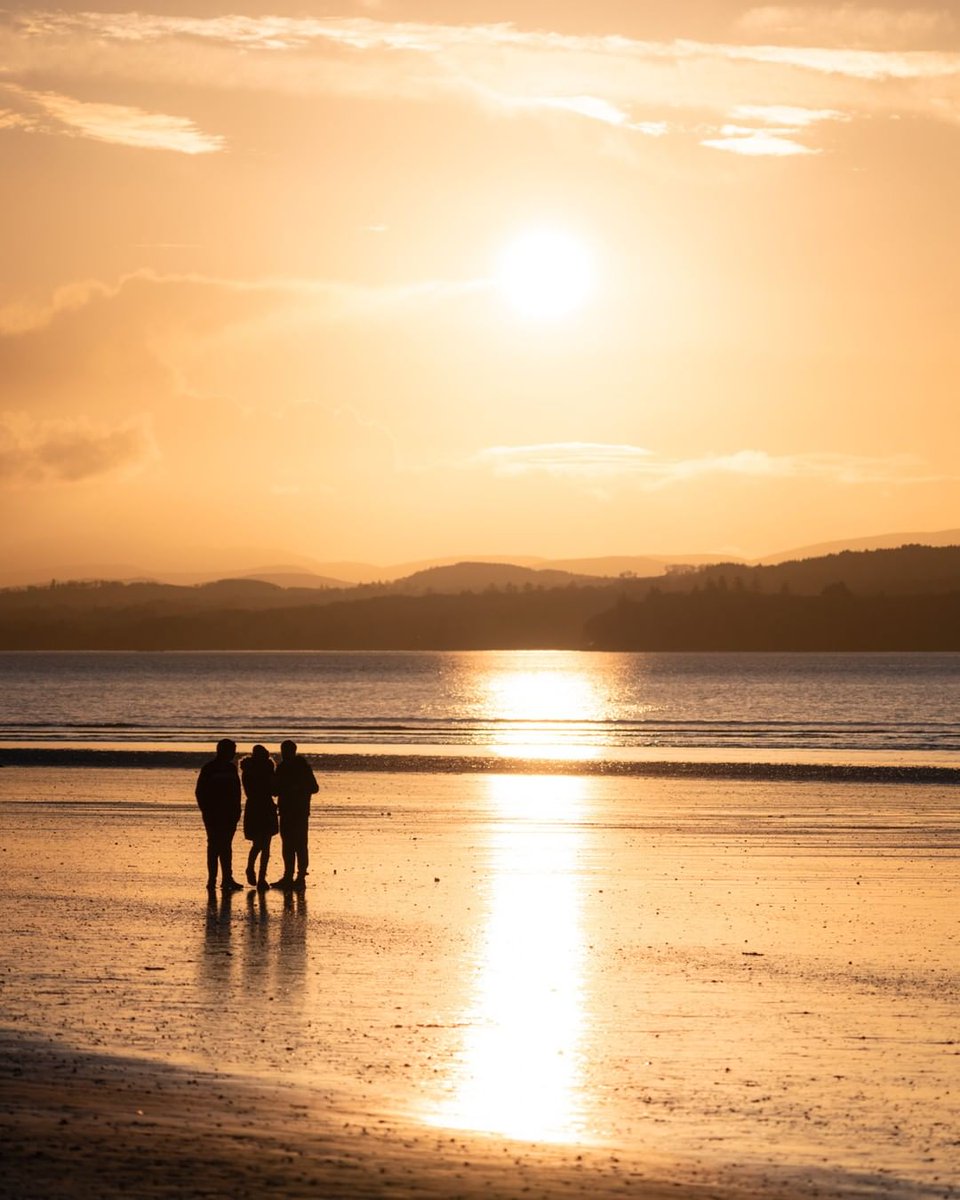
{"x": 905, "y": 596}
{"x": 477, "y": 576}
{"x": 299, "y": 571}
{"x": 261, "y": 594}
{"x": 884, "y": 541}
{"x": 906, "y": 569}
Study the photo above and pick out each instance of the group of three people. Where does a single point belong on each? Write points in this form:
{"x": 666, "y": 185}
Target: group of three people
{"x": 218, "y": 791}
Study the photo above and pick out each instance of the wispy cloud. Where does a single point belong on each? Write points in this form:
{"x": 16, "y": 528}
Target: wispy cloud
{"x": 565, "y": 458}
{"x": 756, "y": 143}
{"x": 784, "y": 115}
{"x": 119, "y": 124}
{"x": 849, "y": 24}
{"x": 9, "y": 119}
{"x": 628, "y": 84}
{"x": 204, "y": 301}
{"x": 595, "y": 460}
{"x": 593, "y": 108}
{"x": 69, "y": 450}
{"x": 774, "y": 133}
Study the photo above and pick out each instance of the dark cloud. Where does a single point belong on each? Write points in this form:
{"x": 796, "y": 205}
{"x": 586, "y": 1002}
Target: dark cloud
{"x": 68, "y": 451}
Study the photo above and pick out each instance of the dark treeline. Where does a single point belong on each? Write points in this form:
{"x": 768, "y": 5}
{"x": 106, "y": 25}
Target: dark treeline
{"x": 712, "y": 618}
{"x": 907, "y": 569}
{"x": 509, "y": 619}
{"x": 724, "y": 618}
{"x": 905, "y": 599}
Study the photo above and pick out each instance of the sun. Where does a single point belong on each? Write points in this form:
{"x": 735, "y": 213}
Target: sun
{"x": 545, "y": 273}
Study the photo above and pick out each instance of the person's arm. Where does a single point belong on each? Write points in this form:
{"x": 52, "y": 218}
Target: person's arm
{"x": 311, "y": 778}
{"x": 235, "y": 788}
{"x": 200, "y": 791}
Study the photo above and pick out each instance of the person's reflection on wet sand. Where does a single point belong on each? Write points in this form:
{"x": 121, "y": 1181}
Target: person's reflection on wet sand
{"x": 217, "y": 958}
{"x": 257, "y": 956}
{"x": 292, "y": 958}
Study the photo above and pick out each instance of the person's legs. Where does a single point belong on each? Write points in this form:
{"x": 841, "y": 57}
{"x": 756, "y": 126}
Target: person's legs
{"x": 288, "y": 850}
{"x": 251, "y": 860}
{"x": 225, "y": 854}
{"x": 212, "y": 856}
{"x": 264, "y": 860}
{"x": 303, "y": 854}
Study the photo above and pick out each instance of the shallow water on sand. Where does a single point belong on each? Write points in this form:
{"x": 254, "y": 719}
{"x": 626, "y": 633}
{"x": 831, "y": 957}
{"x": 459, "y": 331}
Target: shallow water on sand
{"x": 729, "y": 972}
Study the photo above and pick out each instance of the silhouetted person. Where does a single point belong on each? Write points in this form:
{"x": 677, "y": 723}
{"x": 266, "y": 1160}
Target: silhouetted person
{"x": 294, "y": 784}
{"x": 259, "y": 812}
{"x": 218, "y": 795}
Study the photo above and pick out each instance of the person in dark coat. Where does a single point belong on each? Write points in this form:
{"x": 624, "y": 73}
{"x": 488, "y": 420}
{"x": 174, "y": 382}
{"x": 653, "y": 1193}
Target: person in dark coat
{"x": 218, "y": 796}
{"x": 259, "y": 812}
{"x": 294, "y": 784}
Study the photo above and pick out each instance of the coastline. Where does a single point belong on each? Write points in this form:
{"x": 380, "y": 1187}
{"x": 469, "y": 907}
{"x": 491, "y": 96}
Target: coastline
{"x": 818, "y": 768}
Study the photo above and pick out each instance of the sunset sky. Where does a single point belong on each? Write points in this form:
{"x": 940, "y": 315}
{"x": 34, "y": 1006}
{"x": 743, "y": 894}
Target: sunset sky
{"x": 403, "y": 279}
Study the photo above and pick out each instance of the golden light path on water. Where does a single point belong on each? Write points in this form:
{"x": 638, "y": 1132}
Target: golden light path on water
{"x": 518, "y": 1072}
{"x": 545, "y": 700}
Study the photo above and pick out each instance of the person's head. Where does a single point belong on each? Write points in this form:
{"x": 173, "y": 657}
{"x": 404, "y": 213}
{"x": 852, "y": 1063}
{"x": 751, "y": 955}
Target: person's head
{"x": 259, "y": 752}
{"x": 288, "y": 749}
{"x": 226, "y": 748}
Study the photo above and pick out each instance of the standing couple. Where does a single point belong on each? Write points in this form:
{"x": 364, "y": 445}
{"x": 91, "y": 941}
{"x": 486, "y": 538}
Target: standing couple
{"x": 218, "y": 796}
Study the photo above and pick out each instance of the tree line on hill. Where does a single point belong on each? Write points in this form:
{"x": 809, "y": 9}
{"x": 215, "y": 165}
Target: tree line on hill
{"x": 906, "y": 599}
{"x": 723, "y": 618}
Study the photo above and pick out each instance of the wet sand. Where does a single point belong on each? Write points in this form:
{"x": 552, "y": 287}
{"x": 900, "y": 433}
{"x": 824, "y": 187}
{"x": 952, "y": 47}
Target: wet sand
{"x": 575, "y": 985}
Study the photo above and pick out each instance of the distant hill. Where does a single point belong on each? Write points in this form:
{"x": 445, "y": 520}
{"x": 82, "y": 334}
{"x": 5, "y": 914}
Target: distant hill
{"x": 643, "y": 566}
{"x": 295, "y": 579}
{"x": 902, "y": 599}
{"x": 296, "y": 571}
{"x": 883, "y": 541}
{"x": 479, "y": 576}
{"x": 905, "y": 570}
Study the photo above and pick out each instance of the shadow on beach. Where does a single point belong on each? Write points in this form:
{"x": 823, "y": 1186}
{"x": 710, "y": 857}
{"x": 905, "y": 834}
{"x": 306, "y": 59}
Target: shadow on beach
{"x": 76, "y": 1124}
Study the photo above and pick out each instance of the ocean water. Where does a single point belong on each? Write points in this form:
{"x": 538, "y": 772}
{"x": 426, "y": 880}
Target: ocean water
{"x": 573, "y": 703}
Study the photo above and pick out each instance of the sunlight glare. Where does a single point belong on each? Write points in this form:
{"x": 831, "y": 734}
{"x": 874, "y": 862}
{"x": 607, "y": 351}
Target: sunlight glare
{"x": 519, "y": 1070}
{"x": 544, "y": 713}
{"x": 545, "y": 273}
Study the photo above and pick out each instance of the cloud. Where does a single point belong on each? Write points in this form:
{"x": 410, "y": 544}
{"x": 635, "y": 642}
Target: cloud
{"x": 776, "y": 136}
{"x": 118, "y": 124}
{"x": 782, "y": 114}
{"x": 221, "y": 366}
{"x": 231, "y": 301}
{"x": 848, "y": 24}
{"x": 592, "y": 107}
{"x": 756, "y": 143}
{"x": 565, "y": 458}
{"x": 17, "y": 120}
{"x": 69, "y": 450}
{"x": 593, "y": 460}
{"x": 616, "y": 81}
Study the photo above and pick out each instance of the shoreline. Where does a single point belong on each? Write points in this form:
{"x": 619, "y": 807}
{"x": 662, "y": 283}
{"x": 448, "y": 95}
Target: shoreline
{"x": 495, "y": 764}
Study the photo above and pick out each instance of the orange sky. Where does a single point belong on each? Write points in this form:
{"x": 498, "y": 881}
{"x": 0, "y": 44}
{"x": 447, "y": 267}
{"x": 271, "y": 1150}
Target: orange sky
{"x": 252, "y": 301}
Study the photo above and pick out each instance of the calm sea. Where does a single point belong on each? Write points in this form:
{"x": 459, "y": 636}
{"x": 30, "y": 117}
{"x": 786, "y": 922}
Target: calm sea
{"x": 549, "y": 701}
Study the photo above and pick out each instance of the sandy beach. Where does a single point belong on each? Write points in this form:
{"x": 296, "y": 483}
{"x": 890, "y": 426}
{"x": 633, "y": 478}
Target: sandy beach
{"x": 495, "y": 984}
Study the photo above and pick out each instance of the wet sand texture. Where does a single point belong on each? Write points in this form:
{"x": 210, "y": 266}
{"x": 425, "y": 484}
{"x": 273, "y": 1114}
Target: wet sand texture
{"x": 709, "y": 988}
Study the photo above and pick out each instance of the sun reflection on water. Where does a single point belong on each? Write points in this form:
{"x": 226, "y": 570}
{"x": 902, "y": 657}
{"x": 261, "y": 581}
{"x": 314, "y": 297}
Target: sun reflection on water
{"x": 545, "y": 712}
{"x": 518, "y": 1072}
